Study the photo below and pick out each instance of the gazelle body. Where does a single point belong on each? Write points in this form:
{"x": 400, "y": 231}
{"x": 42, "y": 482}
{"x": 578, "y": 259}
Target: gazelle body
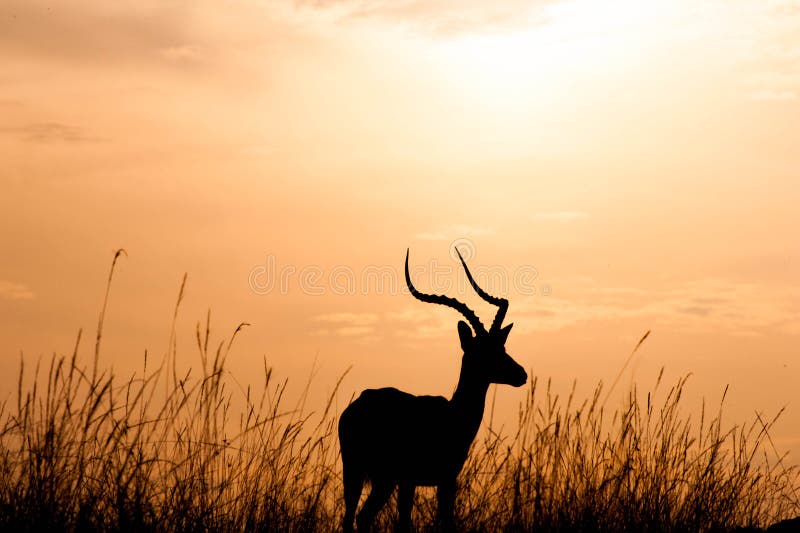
{"x": 396, "y": 439}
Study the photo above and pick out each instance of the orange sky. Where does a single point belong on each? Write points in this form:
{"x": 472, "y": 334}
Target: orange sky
{"x": 642, "y": 157}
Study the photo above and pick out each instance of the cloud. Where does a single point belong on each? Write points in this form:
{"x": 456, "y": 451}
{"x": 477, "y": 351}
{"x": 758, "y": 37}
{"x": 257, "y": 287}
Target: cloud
{"x": 361, "y": 334}
{"x": 351, "y": 319}
{"x": 711, "y": 305}
{"x": 45, "y": 132}
{"x": 694, "y": 310}
{"x": 440, "y": 17}
{"x": 429, "y": 331}
{"x": 701, "y": 305}
{"x": 411, "y": 322}
{"x": 14, "y": 291}
{"x": 354, "y": 331}
{"x": 110, "y": 32}
{"x": 552, "y": 314}
{"x": 409, "y": 314}
{"x": 766, "y": 46}
{"x": 561, "y": 216}
{"x": 360, "y": 325}
{"x": 184, "y": 53}
{"x": 422, "y": 322}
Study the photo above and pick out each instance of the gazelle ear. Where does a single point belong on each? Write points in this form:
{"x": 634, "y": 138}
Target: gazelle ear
{"x": 504, "y": 333}
{"x": 464, "y": 335}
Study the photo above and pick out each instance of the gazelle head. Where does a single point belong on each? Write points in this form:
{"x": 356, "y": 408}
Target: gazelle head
{"x": 485, "y": 358}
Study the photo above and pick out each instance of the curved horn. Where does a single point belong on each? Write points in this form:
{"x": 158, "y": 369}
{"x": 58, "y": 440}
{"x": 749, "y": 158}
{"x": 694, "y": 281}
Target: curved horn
{"x": 471, "y": 317}
{"x": 501, "y": 303}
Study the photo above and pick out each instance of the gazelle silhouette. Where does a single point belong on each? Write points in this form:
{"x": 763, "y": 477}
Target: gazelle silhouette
{"x": 393, "y": 438}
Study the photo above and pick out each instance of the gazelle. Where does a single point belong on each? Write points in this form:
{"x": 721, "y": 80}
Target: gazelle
{"x": 393, "y": 438}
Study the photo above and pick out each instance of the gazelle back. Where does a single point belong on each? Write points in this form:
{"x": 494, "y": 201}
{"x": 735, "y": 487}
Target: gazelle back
{"x": 396, "y": 439}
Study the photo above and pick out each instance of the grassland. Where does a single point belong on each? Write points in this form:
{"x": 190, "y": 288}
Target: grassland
{"x": 83, "y": 450}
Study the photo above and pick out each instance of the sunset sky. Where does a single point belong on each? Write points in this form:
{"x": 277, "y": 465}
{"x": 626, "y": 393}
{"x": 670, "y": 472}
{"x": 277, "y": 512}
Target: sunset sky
{"x": 611, "y": 167}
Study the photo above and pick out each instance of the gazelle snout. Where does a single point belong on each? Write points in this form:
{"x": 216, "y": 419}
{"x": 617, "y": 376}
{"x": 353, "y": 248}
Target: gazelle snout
{"x": 521, "y": 378}
{"x": 517, "y": 377}
{"x": 509, "y": 372}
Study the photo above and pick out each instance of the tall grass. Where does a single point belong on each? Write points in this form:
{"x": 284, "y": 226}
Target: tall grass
{"x": 81, "y": 450}
{"x": 649, "y": 468}
{"x": 89, "y": 452}
{"x": 83, "y": 453}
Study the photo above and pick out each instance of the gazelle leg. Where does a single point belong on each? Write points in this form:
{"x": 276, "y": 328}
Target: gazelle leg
{"x": 380, "y": 492}
{"x": 405, "y": 502}
{"x": 353, "y": 482}
{"x": 445, "y": 499}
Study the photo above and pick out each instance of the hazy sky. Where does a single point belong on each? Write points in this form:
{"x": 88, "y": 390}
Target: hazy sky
{"x": 612, "y": 167}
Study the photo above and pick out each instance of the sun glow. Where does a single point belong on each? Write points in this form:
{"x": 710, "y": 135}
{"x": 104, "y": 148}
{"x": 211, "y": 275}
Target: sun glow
{"x": 579, "y": 38}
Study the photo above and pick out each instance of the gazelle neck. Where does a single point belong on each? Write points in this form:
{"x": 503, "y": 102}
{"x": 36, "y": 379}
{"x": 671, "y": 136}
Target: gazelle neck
{"x": 468, "y": 402}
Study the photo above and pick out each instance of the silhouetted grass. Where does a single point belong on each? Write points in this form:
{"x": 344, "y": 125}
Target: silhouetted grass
{"x": 650, "y": 468}
{"x": 89, "y": 452}
{"x": 82, "y": 450}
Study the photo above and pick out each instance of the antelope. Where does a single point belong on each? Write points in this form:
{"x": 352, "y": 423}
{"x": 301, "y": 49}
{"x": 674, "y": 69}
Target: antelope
{"x": 396, "y": 439}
